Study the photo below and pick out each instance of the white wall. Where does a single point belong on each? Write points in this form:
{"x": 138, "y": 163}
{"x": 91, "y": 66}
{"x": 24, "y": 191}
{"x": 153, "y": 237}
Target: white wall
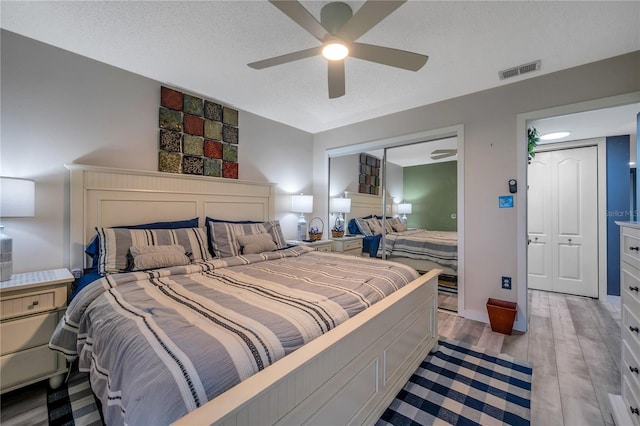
{"x": 490, "y": 158}
{"x": 58, "y": 107}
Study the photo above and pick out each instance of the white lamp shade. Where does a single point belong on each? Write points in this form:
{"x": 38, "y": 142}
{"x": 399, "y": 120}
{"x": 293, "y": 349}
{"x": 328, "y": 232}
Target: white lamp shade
{"x": 404, "y": 208}
{"x": 17, "y": 197}
{"x": 340, "y": 205}
{"x": 302, "y": 203}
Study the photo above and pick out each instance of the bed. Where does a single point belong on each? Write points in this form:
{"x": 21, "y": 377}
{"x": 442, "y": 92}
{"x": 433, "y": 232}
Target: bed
{"x": 350, "y": 369}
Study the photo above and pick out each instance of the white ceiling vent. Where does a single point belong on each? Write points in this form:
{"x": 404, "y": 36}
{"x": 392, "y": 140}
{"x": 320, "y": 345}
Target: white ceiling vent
{"x": 520, "y": 69}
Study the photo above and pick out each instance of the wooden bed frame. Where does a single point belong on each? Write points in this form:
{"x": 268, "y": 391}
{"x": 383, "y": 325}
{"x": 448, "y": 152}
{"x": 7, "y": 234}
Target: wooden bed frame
{"x": 348, "y": 375}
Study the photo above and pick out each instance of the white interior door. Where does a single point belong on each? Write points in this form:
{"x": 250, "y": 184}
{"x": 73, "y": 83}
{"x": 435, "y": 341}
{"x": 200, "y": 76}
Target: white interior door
{"x": 563, "y": 223}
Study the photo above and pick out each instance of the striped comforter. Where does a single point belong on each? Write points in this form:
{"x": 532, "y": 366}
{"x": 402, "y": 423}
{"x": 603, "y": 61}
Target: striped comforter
{"x": 437, "y": 246}
{"x": 161, "y": 343}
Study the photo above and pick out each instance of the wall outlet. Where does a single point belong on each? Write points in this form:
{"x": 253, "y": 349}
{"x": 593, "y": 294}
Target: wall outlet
{"x": 77, "y": 273}
{"x": 506, "y": 283}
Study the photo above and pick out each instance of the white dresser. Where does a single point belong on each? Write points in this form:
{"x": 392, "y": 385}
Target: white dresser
{"x": 626, "y": 407}
{"x": 31, "y": 304}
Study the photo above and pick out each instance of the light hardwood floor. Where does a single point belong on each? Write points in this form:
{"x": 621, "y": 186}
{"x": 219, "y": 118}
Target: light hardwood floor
{"x": 572, "y": 342}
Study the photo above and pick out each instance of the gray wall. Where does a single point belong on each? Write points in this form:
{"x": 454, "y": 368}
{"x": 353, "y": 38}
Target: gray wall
{"x": 58, "y": 107}
{"x": 490, "y": 159}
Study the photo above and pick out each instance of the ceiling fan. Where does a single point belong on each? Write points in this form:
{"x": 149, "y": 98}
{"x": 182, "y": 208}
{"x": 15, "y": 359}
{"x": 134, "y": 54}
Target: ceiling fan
{"x": 338, "y": 31}
{"x": 439, "y": 154}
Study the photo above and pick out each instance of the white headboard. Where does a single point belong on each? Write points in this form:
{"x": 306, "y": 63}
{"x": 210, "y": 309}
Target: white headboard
{"x": 366, "y": 204}
{"x": 103, "y": 197}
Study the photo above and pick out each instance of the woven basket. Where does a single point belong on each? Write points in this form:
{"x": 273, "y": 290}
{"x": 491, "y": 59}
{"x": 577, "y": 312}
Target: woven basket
{"x": 315, "y": 230}
{"x": 337, "y": 234}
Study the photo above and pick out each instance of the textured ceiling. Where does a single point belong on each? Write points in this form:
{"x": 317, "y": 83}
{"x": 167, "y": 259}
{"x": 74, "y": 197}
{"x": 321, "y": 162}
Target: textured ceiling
{"x": 203, "y": 47}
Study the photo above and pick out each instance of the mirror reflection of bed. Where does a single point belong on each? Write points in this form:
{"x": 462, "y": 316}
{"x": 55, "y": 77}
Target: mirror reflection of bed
{"x": 424, "y": 176}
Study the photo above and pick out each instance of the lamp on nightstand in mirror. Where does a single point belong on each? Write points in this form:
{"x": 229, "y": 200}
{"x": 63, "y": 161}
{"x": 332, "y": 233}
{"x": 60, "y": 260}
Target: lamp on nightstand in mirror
{"x": 404, "y": 209}
{"x": 339, "y": 206}
{"x": 17, "y": 199}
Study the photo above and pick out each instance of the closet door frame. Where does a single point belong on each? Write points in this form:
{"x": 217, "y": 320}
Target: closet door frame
{"x": 601, "y": 145}
{"x": 426, "y": 136}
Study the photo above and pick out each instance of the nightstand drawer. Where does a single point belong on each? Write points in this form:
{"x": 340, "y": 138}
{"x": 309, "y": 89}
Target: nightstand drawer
{"x": 27, "y": 365}
{"x": 325, "y": 248}
{"x": 353, "y": 245}
{"x": 26, "y": 333}
{"x": 33, "y": 303}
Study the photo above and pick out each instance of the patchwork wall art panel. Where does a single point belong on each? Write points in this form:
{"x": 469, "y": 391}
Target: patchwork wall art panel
{"x": 197, "y": 136}
{"x": 369, "y": 180}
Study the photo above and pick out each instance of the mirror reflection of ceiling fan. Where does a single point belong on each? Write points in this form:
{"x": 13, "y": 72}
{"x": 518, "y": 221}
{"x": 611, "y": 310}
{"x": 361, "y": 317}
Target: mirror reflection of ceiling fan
{"x": 439, "y": 154}
{"x": 338, "y": 31}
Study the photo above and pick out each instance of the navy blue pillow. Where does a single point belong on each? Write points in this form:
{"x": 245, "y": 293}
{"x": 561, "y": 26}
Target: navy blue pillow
{"x": 94, "y": 246}
{"x": 353, "y": 228}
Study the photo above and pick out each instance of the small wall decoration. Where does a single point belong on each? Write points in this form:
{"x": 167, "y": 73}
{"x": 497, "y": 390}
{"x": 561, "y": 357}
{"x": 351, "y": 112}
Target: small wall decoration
{"x": 369, "y": 182}
{"x": 197, "y": 136}
{"x": 505, "y": 201}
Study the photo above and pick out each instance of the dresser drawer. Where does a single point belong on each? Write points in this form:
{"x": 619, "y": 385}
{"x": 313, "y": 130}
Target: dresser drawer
{"x": 630, "y": 329}
{"x": 630, "y": 246}
{"x": 631, "y": 365}
{"x": 33, "y": 302}
{"x": 27, "y": 365}
{"x": 26, "y": 333}
{"x": 630, "y": 287}
{"x": 631, "y": 400}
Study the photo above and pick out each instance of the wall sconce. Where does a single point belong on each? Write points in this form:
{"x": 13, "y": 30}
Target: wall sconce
{"x": 302, "y": 204}
{"x": 340, "y": 205}
{"x": 17, "y": 199}
{"x": 404, "y": 209}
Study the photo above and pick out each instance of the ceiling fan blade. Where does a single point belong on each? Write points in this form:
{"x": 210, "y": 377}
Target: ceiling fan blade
{"x": 289, "y": 57}
{"x": 388, "y": 56}
{"x": 336, "y": 79}
{"x": 302, "y": 17}
{"x": 441, "y": 156}
{"x": 369, "y": 14}
{"x": 444, "y": 151}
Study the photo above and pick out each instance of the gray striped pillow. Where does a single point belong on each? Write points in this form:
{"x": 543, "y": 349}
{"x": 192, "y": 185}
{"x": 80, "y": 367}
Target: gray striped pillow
{"x": 363, "y": 226}
{"x": 116, "y": 242}
{"x": 225, "y": 236}
{"x": 273, "y": 228}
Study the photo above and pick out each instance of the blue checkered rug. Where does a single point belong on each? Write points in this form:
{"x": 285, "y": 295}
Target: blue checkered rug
{"x": 462, "y": 384}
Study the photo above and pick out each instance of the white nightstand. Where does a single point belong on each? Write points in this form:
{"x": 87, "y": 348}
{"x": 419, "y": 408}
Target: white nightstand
{"x": 320, "y": 245}
{"x": 350, "y": 244}
{"x": 31, "y": 306}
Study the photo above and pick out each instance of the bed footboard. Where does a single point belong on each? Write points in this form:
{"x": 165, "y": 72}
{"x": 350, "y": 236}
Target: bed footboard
{"x": 347, "y": 376}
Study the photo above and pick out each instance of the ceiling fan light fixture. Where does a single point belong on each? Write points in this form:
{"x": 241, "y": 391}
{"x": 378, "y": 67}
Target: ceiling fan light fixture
{"x": 554, "y": 135}
{"x": 335, "y": 51}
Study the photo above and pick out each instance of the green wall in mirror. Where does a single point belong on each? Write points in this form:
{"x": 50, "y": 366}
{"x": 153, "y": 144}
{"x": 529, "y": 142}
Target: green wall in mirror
{"x": 432, "y": 191}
